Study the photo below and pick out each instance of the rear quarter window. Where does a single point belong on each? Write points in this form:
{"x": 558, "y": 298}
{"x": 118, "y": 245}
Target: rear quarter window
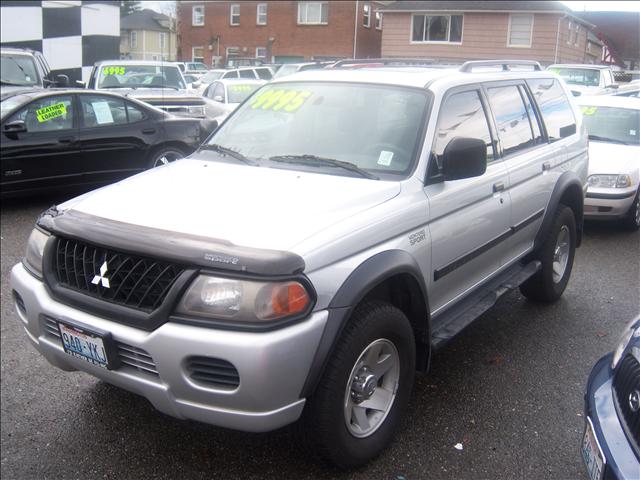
{"x": 555, "y": 108}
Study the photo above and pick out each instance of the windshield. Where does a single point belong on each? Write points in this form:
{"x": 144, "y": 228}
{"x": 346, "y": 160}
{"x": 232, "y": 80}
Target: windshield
{"x": 197, "y": 66}
{"x": 140, "y": 76}
{"x": 614, "y": 125}
{"x": 11, "y": 103}
{"x": 306, "y": 126}
{"x": 212, "y": 77}
{"x": 286, "y": 70}
{"x": 579, "y": 76}
{"x": 238, "y": 93}
{"x": 18, "y": 70}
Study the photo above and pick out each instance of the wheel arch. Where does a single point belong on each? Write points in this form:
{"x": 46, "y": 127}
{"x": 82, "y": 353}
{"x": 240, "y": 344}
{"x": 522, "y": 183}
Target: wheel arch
{"x": 568, "y": 191}
{"x": 393, "y": 276}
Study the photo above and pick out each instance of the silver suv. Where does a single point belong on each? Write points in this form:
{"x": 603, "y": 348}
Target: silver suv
{"x": 335, "y": 231}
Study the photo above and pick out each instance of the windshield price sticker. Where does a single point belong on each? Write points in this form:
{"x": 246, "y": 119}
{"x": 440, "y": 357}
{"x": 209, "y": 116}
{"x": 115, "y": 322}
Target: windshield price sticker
{"x": 240, "y": 88}
{"x": 588, "y": 110}
{"x": 281, "y": 100}
{"x": 113, "y": 71}
{"x": 52, "y": 111}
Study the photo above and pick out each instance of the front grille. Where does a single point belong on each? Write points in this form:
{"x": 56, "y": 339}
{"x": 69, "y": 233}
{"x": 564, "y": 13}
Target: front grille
{"x": 625, "y": 382}
{"x": 129, "y": 356}
{"x": 129, "y": 280}
{"x": 213, "y": 372}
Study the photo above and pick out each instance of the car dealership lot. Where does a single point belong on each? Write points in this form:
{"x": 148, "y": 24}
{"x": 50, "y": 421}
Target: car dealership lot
{"x": 509, "y": 389}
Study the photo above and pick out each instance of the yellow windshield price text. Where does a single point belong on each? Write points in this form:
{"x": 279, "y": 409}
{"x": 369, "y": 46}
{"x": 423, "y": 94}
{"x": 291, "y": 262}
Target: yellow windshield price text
{"x": 240, "y": 88}
{"x": 52, "y": 111}
{"x": 113, "y": 71}
{"x": 281, "y": 100}
{"x": 588, "y": 110}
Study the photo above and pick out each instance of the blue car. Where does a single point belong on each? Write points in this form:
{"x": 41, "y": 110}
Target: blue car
{"x": 611, "y": 442}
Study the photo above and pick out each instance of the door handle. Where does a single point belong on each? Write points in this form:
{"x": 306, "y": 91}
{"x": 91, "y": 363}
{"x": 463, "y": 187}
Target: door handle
{"x": 67, "y": 139}
{"x": 546, "y": 166}
{"x": 148, "y": 131}
{"x": 498, "y": 187}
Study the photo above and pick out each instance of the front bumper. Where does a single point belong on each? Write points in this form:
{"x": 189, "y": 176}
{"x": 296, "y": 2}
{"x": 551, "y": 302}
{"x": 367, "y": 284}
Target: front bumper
{"x": 608, "y": 203}
{"x": 621, "y": 461}
{"x": 272, "y": 366}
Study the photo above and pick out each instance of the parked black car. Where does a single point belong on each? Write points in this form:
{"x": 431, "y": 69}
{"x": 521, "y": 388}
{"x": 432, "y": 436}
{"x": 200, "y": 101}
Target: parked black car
{"x": 611, "y": 442}
{"x": 60, "y": 138}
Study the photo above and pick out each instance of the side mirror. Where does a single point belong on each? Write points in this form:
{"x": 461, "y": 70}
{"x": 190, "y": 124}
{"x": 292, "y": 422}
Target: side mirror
{"x": 218, "y": 98}
{"x": 196, "y": 84}
{"x": 464, "y": 158}
{"x": 17, "y": 126}
{"x": 81, "y": 84}
{"x": 576, "y": 93}
{"x": 62, "y": 81}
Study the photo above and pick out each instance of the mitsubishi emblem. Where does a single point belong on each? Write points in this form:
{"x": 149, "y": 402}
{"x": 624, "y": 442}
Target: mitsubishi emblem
{"x": 101, "y": 278}
{"x": 634, "y": 401}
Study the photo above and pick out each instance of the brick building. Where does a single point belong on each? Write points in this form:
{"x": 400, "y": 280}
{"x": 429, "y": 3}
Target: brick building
{"x": 277, "y": 31}
{"x": 545, "y": 31}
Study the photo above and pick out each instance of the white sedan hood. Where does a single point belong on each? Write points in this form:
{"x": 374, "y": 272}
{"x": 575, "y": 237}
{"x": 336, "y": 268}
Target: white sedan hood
{"x": 612, "y": 158}
{"x": 249, "y": 206}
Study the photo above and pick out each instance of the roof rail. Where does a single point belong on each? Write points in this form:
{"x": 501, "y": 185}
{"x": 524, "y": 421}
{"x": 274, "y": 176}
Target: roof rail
{"x": 385, "y": 62}
{"x": 505, "y": 64}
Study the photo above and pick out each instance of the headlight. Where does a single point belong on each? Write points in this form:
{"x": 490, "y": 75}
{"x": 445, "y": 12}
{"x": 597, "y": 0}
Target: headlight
{"x": 244, "y": 300}
{"x": 609, "y": 181}
{"x": 196, "y": 109}
{"x": 35, "y": 250}
{"x": 629, "y": 332}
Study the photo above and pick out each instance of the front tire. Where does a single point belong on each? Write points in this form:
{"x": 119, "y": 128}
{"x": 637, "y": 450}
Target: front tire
{"x": 556, "y": 254}
{"x": 365, "y": 388}
{"x": 632, "y": 220}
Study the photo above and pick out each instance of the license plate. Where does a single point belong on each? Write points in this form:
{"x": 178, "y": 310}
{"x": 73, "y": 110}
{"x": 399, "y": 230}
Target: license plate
{"x": 83, "y": 344}
{"x": 591, "y": 453}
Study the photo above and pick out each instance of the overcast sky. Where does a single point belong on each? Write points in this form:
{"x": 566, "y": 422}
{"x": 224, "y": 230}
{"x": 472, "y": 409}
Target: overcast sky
{"x": 604, "y": 6}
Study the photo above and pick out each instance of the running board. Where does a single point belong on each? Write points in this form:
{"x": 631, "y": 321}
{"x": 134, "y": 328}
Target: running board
{"x": 458, "y": 317}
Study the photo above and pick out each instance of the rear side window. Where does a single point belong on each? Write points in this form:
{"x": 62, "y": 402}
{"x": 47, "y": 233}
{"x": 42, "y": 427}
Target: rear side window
{"x": 247, "y": 74}
{"x": 512, "y": 119}
{"x": 462, "y": 115}
{"x": 264, "y": 73}
{"x": 555, "y": 108}
{"x": 102, "y": 111}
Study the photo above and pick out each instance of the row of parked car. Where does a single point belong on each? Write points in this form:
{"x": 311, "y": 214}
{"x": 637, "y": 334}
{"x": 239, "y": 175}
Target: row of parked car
{"x": 393, "y": 205}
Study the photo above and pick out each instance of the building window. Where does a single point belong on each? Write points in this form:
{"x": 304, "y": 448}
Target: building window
{"x": 313, "y": 13}
{"x": 197, "y": 54}
{"x": 234, "y": 14}
{"x": 261, "y": 52}
{"x": 577, "y": 42}
{"x": 261, "y": 14}
{"x": 134, "y": 39}
{"x": 520, "y": 30}
{"x": 163, "y": 40}
{"x": 367, "y": 15}
{"x": 436, "y": 28}
{"x": 588, "y": 47}
{"x": 569, "y": 32}
{"x": 378, "y": 20}
{"x": 197, "y": 18}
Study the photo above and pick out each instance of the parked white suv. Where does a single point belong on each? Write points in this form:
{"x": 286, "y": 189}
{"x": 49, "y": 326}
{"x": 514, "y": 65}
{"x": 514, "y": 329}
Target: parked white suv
{"x": 586, "y": 79}
{"x": 334, "y": 232}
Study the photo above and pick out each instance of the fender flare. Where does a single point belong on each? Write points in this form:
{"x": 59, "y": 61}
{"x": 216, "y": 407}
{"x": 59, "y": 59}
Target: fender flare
{"x": 359, "y": 283}
{"x": 570, "y": 188}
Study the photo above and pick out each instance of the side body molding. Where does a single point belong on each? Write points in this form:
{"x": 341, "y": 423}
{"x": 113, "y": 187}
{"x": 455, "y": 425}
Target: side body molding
{"x": 361, "y": 281}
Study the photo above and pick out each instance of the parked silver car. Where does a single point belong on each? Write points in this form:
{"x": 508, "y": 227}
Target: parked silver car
{"x": 224, "y": 96}
{"x": 333, "y": 233}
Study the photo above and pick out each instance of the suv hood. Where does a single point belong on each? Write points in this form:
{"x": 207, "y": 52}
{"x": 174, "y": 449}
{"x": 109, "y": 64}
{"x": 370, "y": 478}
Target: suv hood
{"x": 248, "y": 206}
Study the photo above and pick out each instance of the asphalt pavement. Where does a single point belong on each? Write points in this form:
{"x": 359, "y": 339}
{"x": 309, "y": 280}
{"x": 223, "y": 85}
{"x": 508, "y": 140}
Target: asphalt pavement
{"x": 509, "y": 389}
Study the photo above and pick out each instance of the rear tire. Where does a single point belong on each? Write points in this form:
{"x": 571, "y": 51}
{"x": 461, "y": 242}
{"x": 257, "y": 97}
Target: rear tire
{"x": 556, "y": 254}
{"x": 373, "y": 365}
{"x": 631, "y": 220}
{"x": 164, "y": 155}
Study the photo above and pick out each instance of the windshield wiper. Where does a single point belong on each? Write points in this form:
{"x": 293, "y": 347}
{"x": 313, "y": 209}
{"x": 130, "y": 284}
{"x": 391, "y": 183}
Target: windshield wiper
{"x": 316, "y": 161}
{"x": 228, "y": 152}
{"x": 606, "y": 139}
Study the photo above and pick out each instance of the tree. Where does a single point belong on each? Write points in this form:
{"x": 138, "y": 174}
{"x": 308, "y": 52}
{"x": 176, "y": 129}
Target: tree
{"x": 127, "y": 7}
